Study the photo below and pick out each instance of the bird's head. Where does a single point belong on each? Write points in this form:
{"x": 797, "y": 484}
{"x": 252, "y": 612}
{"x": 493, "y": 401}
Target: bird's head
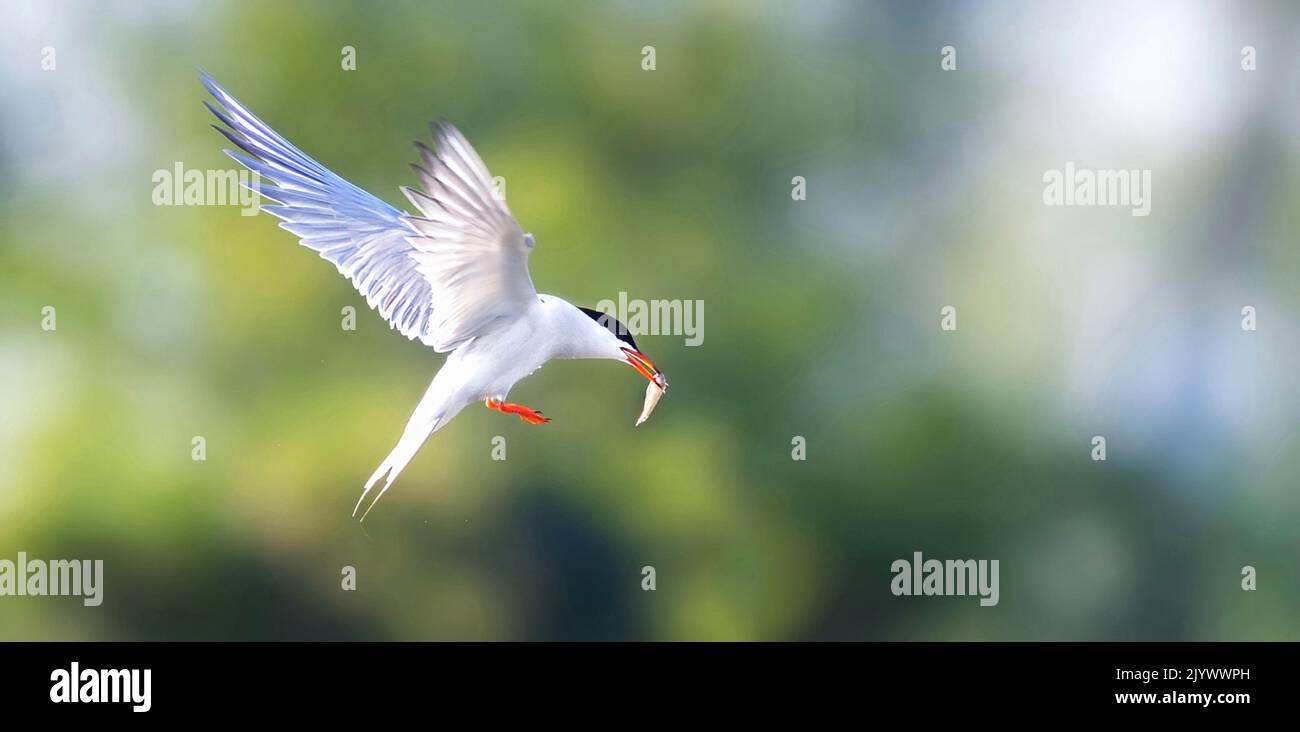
{"x": 611, "y": 339}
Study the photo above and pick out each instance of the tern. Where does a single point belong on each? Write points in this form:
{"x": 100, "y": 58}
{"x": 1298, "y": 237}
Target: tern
{"x": 454, "y": 277}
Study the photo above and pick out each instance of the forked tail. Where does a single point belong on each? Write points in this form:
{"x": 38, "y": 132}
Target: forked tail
{"x": 432, "y": 412}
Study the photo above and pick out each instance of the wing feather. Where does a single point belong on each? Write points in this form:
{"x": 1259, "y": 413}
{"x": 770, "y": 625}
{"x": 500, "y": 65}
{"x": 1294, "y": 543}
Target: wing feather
{"x": 466, "y": 241}
{"x": 443, "y": 277}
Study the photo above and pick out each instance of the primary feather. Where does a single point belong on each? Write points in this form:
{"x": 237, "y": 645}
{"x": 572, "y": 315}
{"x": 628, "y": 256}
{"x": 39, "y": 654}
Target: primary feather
{"x": 442, "y": 277}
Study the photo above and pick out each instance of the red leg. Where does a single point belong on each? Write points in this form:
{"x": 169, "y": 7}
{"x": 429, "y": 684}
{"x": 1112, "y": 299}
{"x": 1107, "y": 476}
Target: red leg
{"x": 529, "y": 415}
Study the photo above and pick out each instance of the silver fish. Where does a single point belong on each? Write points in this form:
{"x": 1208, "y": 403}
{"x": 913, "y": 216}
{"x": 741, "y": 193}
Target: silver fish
{"x": 653, "y": 393}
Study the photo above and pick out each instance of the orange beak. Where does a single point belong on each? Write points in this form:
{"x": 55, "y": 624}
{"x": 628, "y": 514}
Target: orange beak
{"x": 645, "y": 367}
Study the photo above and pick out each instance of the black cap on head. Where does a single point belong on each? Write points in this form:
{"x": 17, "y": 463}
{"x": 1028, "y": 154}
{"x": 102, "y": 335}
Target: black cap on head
{"x": 613, "y": 325}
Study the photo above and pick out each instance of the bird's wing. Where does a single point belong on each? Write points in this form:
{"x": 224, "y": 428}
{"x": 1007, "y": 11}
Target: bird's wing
{"x": 467, "y": 244}
{"x": 441, "y": 278}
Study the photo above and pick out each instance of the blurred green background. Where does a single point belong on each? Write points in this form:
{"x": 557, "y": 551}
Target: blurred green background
{"x": 821, "y": 320}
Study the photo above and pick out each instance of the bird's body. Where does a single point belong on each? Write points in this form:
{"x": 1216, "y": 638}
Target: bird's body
{"x": 455, "y": 277}
{"x": 487, "y": 368}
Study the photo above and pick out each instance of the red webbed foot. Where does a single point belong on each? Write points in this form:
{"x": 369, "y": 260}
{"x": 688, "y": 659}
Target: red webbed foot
{"x": 527, "y": 414}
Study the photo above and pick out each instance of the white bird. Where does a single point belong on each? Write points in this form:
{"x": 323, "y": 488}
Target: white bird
{"x": 455, "y": 277}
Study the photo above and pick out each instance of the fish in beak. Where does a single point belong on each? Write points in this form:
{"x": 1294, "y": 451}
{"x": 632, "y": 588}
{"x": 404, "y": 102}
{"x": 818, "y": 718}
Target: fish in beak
{"x": 653, "y": 390}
